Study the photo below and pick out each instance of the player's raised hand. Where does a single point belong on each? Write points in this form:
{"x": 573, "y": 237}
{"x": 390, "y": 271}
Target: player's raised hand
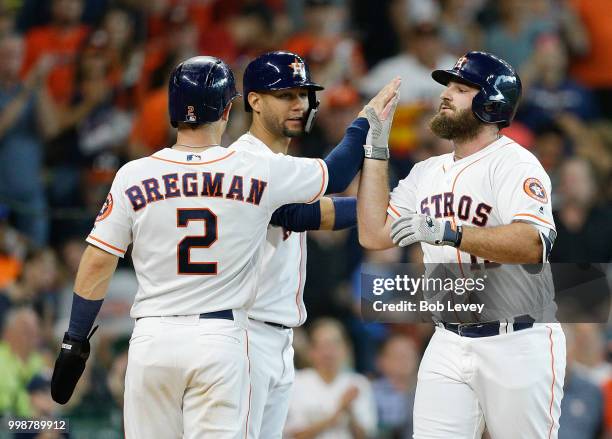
{"x": 381, "y": 121}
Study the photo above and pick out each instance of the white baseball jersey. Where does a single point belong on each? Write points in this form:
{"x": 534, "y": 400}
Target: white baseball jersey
{"x": 282, "y": 274}
{"x": 197, "y": 222}
{"x": 499, "y": 184}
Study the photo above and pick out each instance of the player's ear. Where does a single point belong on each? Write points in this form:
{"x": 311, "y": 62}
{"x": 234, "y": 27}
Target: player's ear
{"x": 226, "y": 112}
{"x": 254, "y": 101}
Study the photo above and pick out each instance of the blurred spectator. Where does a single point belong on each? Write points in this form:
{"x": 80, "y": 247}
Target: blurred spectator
{"x": 37, "y": 286}
{"x": 371, "y": 334}
{"x": 93, "y": 129}
{"x": 151, "y": 130}
{"x": 19, "y": 361}
{"x": 27, "y": 118}
{"x": 589, "y": 353}
{"x": 549, "y": 147}
{"x": 582, "y": 404}
{"x": 12, "y": 252}
{"x": 329, "y": 402}
{"x": 424, "y": 51}
{"x": 59, "y": 41}
{"x": 547, "y": 90}
{"x": 251, "y": 32}
{"x": 514, "y": 34}
{"x": 560, "y": 19}
{"x": 594, "y": 68}
{"x": 332, "y": 55}
{"x": 368, "y": 19}
{"x": 125, "y": 55}
{"x": 394, "y": 391}
{"x": 7, "y": 22}
{"x": 584, "y": 229}
{"x": 458, "y": 26}
{"x": 340, "y": 105}
{"x": 327, "y": 269}
{"x": 39, "y": 389}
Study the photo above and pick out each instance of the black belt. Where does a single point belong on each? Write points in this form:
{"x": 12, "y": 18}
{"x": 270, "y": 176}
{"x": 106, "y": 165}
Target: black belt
{"x": 224, "y": 314}
{"x": 276, "y": 325}
{"x": 489, "y": 329}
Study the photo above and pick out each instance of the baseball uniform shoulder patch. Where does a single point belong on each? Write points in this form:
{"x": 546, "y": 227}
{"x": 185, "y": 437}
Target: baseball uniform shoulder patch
{"x": 535, "y": 190}
{"x": 107, "y": 208}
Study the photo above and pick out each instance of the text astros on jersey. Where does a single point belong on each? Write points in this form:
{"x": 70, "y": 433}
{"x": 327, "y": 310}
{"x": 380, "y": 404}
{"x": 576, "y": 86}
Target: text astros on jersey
{"x": 497, "y": 185}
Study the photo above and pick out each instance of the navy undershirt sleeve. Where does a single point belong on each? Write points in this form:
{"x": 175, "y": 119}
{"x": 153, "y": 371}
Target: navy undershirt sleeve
{"x": 346, "y": 159}
{"x": 302, "y": 217}
{"x": 298, "y": 217}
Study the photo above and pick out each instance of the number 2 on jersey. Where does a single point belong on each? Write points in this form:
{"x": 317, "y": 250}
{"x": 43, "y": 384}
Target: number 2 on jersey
{"x": 184, "y": 264}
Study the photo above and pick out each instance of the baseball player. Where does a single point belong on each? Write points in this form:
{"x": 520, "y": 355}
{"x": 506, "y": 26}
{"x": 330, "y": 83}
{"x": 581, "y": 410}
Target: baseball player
{"x": 280, "y": 94}
{"x": 196, "y": 215}
{"x": 488, "y": 200}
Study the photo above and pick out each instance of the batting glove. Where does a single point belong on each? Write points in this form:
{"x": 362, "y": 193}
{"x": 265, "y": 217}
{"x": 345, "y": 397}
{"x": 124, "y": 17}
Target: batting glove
{"x": 377, "y": 139}
{"x": 414, "y": 227}
{"x": 69, "y": 367}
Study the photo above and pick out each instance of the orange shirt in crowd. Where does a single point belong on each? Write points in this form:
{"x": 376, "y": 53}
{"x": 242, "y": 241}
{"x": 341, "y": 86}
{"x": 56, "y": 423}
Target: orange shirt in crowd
{"x": 150, "y": 129}
{"x": 63, "y": 45}
{"x": 10, "y": 268}
{"x": 595, "y": 68}
{"x": 607, "y": 394}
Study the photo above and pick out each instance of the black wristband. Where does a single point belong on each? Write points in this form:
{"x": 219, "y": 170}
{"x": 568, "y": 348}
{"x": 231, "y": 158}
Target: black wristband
{"x": 452, "y": 236}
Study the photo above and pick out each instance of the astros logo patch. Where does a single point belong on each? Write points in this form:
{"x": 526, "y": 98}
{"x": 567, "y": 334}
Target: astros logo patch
{"x": 535, "y": 190}
{"x": 107, "y": 208}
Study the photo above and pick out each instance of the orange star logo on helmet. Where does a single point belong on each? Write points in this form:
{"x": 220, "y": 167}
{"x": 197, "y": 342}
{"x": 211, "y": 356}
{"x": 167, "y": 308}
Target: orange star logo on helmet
{"x": 460, "y": 63}
{"x": 299, "y": 69}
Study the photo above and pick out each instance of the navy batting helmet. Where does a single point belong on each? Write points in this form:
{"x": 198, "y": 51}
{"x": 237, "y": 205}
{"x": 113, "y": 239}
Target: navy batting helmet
{"x": 200, "y": 89}
{"x": 277, "y": 71}
{"x": 499, "y": 84}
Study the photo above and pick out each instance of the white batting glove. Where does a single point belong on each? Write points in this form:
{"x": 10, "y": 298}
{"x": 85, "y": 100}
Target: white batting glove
{"x": 415, "y": 227}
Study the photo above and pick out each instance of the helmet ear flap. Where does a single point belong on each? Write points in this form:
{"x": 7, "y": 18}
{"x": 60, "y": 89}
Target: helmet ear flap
{"x": 478, "y": 104}
{"x": 486, "y": 109}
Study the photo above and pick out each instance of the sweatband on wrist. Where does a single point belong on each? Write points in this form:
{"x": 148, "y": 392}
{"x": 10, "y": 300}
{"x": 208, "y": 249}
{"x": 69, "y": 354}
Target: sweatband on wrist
{"x": 82, "y": 316}
{"x": 345, "y": 212}
{"x": 346, "y": 159}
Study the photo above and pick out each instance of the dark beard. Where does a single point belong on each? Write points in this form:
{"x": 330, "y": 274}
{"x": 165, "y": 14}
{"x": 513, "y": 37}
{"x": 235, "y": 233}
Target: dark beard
{"x": 461, "y": 127}
{"x": 292, "y": 133}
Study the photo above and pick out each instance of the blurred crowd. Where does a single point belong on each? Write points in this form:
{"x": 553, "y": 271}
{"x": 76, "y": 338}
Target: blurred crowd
{"x": 83, "y": 89}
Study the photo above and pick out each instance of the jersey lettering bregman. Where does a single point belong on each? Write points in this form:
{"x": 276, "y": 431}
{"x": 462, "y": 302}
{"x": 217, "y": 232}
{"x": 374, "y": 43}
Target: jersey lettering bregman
{"x": 193, "y": 184}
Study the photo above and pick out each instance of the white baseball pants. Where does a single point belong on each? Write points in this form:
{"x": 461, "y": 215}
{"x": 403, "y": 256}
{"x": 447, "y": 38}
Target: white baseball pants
{"x": 512, "y": 382}
{"x": 272, "y": 375}
{"x": 186, "y": 377}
